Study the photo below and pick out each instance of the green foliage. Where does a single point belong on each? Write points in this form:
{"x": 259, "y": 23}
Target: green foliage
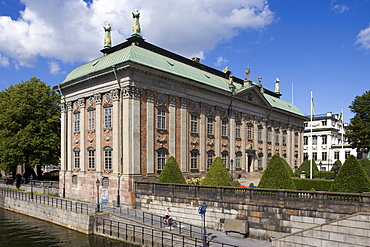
{"x": 351, "y": 178}
{"x": 217, "y": 174}
{"x": 171, "y": 173}
{"x": 358, "y": 131}
{"x": 29, "y": 125}
{"x": 305, "y": 166}
{"x": 251, "y": 184}
{"x": 326, "y": 175}
{"x": 276, "y": 175}
{"x": 365, "y": 162}
{"x": 317, "y": 184}
{"x": 338, "y": 162}
{"x": 194, "y": 180}
{"x": 291, "y": 173}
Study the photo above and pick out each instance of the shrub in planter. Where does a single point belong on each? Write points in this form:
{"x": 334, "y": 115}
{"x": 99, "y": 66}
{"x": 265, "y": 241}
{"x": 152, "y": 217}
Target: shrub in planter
{"x": 217, "y": 174}
{"x": 317, "y": 184}
{"x": 276, "y": 175}
{"x": 351, "y": 178}
{"x": 171, "y": 173}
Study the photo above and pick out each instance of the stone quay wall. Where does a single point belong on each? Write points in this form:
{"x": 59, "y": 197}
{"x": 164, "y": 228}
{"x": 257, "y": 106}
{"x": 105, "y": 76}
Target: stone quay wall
{"x": 73, "y": 220}
{"x": 270, "y": 213}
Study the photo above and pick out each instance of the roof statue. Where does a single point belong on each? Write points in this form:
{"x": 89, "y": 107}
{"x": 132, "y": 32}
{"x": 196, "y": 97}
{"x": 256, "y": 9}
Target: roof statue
{"x": 247, "y": 81}
{"x": 135, "y": 23}
{"x": 277, "y": 86}
{"x": 107, "y": 37}
{"x": 260, "y": 81}
{"x": 225, "y": 69}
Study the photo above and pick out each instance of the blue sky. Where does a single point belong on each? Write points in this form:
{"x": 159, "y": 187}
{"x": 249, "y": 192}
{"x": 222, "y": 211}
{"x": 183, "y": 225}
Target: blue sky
{"x": 319, "y": 45}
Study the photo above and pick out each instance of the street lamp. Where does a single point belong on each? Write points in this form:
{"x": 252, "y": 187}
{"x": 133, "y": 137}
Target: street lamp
{"x": 232, "y": 170}
{"x": 31, "y": 177}
{"x": 97, "y": 198}
{"x": 320, "y": 164}
{"x": 202, "y": 212}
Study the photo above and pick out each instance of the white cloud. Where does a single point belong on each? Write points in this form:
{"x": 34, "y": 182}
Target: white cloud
{"x": 54, "y": 68}
{"x": 72, "y": 30}
{"x": 221, "y": 61}
{"x": 338, "y": 8}
{"x": 4, "y": 61}
{"x": 363, "y": 38}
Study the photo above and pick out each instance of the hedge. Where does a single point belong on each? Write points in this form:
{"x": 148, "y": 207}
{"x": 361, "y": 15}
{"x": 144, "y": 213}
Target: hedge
{"x": 309, "y": 184}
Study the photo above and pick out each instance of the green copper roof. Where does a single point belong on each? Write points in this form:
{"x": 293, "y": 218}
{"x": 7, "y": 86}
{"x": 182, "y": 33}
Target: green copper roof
{"x": 282, "y": 104}
{"x": 148, "y": 58}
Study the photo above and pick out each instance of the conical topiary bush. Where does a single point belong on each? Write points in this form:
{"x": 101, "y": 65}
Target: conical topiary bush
{"x": 171, "y": 173}
{"x": 217, "y": 174}
{"x": 305, "y": 166}
{"x": 351, "y": 178}
{"x": 276, "y": 175}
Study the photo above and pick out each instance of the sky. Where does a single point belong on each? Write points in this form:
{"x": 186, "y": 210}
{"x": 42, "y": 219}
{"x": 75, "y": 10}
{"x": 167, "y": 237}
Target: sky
{"x": 318, "y": 45}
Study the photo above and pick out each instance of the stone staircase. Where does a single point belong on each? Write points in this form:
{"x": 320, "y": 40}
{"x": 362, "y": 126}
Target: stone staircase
{"x": 252, "y": 177}
{"x": 353, "y": 230}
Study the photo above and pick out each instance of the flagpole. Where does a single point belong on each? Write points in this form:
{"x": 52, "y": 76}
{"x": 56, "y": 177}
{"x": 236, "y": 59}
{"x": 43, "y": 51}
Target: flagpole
{"x": 311, "y": 135}
{"x": 342, "y": 122}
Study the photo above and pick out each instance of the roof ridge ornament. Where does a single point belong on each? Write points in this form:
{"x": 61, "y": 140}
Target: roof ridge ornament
{"x": 107, "y": 36}
{"x": 135, "y": 23}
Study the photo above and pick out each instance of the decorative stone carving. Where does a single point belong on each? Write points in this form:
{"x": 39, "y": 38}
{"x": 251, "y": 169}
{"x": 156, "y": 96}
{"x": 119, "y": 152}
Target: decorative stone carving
{"x": 97, "y": 98}
{"x": 131, "y": 92}
{"x": 69, "y": 106}
{"x": 108, "y": 138}
{"x": 184, "y": 103}
{"x": 173, "y": 100}
{"x": 150, "y": 95}
{"x": 81, "y": 102}
{"x": 161, "y": 99}
{"x": 161, "y": 140}
{"x": 62, "y": 107}
{"x": 90, "y": 139}
{"x": 115, "y": 94}
{"x": 210, "y": 143}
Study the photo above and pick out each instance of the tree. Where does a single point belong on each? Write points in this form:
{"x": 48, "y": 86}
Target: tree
{"x": 358, "y": 131}
{"x": 29, "y": 125}
{"x": 171, "y": 173}
{"x": 276, "y": 175}
{"x": 217, "y": 174}
{"x": 351, "y": 178}
{"x": 305, "y": 166}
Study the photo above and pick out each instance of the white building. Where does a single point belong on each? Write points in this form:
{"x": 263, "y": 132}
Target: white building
{"x": 328, "y": 142}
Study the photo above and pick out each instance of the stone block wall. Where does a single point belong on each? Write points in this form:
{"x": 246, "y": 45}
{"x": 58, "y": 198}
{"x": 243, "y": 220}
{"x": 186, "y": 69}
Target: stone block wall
{"x": 351, "y": 231}
{"x": 80, "y": 222}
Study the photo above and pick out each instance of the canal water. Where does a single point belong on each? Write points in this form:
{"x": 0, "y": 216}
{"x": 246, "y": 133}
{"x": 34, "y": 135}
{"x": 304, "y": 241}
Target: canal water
{"x": 17, "y": 230}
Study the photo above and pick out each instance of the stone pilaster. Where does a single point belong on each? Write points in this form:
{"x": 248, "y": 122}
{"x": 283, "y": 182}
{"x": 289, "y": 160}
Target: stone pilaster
{"x": 99, "y": 157}
{"x": 172, "y": 127}
{"x": 184, "y": 135}
{"x": 69, "y": 137}
{"x": 116, "y": 116}
{"x": 151, "y": 124}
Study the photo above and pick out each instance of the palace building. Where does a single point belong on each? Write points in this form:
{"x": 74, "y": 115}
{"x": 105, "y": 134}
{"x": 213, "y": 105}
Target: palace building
{"x": 125, "y": 113}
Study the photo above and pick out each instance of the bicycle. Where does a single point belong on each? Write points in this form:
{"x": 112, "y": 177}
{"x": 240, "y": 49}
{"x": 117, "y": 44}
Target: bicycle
{"x": 171, "y": 222}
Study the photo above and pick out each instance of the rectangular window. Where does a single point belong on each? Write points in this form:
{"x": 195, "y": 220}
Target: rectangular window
{"x": 237, "y": 161}
{"x": 296, "y": 139}
{"x": 259, "y": 134}
{"x": 324, "y": 139}
{"x": 324, "y": 123}
{"x": 161, "y": 119}
{"x": 250, "y": 132}
{"x": 194, "y": 124}
{"x": 224, "y": 158}
{"x": 74, "y": 179}
{"x": 91, "y": 120}
{"x": 209, "y": 160}
{"x": 347, "y": 154}
{"x": 105, "y": 182}
{"x": 314, "y": 140}
{"x": 77, "y": 122}
{"x": 324, "y": 156}
{"x": 107, "y": 117}
{"x": 237, "y": 130}
{"x": 77, "y": 159}
{"x": 314, "y": 156}
{"x": 224, "y": 127}
{"x": 91, "y": 159}
{"x": 305, "y": 156}
{"x": 210, "y": 126}
{"x": 268, "y": 135}
{"x": 284, "y": 137}
{"x": 259, "y": 163}
{"x": 336, "y": 155}
{"x": 305, "y": 140}
{"x": 108, "y": 159}
{"x": 193, "y": 160}
{"x": 161, "y": 160}
{"x": 277, "y": 134}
